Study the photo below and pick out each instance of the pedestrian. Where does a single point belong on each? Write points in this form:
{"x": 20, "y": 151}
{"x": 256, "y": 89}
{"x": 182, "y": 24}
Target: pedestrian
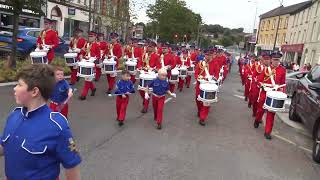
{"x": 124, "y": 87}
{"x": 160, "y": 88}
{"x": 274, "y": 74}
{"x": 62, "y": 93}
{"x": 48, "y": 38}
{"x": 35, "y": 140}
{"x": 76, "y": 44}
{"x": 91, "y": 50}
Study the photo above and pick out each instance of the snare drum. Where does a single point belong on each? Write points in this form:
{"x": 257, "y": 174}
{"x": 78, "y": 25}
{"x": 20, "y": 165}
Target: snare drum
{"x": 183, "y": 72}
{"x": 174, "y": 76}
{"x": 131, "y": 66}
{"x": 39, "y": 57}
{"x": 275, "y": 101}
{"x": 190, "y": 70}
{"x": 208, "y": 93}
{"x": 109, "y": 66}
{"x": 71, "y": 59}
{"x": 146, "y": 79}
{"x": 86, "y": 69}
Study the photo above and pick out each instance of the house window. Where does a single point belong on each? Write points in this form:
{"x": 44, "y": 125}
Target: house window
{"x": 268, "y": 25}
{"x": 266, "y": 40}
{"x": 316, "y": 10}
{"x": 280, "y": 23}
{"x": 313, "y": 31}
{"x": 286, "y": 23}
{"x": 274, "y": 24}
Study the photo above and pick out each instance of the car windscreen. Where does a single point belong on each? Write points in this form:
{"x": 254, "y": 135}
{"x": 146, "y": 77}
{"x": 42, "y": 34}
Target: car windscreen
{"x": 314, "y": 75}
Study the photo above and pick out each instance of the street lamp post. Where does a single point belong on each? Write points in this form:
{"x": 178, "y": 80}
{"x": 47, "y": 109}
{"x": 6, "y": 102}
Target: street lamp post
{"x": 255, "y": 19}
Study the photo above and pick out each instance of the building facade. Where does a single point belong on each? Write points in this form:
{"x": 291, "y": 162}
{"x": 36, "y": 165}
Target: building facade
{"x": 273, "y": 27}
{"x": 296, "y": 34}
{"x": 311, "y": 51}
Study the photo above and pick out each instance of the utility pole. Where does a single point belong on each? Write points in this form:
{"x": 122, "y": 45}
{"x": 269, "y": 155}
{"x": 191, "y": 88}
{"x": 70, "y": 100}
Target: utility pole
{"x": 90, "y": 2}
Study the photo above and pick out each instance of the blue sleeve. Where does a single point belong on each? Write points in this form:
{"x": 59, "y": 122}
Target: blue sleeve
{"x": 167, "y": 87}
{"x": 151, "y": 84}
{"x": 66, "y": 150}
{"x": 67, "y": 86}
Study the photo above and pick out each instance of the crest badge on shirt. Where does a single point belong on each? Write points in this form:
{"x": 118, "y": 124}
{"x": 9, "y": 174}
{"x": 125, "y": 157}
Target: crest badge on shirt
{"x": 72, "y": 145}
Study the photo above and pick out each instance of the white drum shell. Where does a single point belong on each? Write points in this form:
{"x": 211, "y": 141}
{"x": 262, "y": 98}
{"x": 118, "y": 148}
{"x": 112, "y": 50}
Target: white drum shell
{"x": 275, "y": 101}
{"x": 208, "y": 88}
{"x": 84, "y": 66}
{"x": 39, "y": 56}
{"x": 71, "y": 56}
{"x": 109, "y": 66}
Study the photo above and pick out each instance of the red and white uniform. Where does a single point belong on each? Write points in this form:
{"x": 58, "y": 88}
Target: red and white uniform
{"x": 248, "y": 71}
{"x": 254, "y": 91}
{"x": 279, "y": 78}
{"x": 48, "y": 37}
{"x": 187, "y": 63}
{"x": 91, "y": 50}
{"x": 169, "y": 60}
{"x": 117, "y": 51}
{"x": 76, "y": 43}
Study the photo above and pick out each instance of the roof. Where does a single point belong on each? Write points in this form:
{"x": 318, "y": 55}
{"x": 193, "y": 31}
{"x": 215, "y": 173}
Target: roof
{"x": 281, "y": 10}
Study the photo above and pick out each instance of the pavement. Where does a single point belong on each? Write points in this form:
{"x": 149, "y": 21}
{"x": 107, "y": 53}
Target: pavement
{"x": 227, "y": 148}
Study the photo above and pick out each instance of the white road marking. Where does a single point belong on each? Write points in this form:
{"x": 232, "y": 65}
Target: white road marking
{"x": 167, "y": 100}
{"x": 239, "y": 96}
{"x": 285, "y": 139}
{"x": 306, "y": 149}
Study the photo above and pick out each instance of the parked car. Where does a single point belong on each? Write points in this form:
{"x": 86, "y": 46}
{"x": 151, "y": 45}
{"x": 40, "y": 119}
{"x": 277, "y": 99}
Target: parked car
{"x": 26, "y": 41}
{"x": 305, "y": 106}
{"x": 292, "y": 81}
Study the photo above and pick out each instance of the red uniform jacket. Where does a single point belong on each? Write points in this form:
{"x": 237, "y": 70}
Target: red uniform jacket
{"x": 50, "y": 38}
{"x": 117, "y": 50}
{"x": 279, "y": 76}
{"x": 104, "y": 48}
{"x": 153, "y": 62}
{"x": 79, "y": 44}
{"x": 214, "y": 68}
{"x": 186, "y": 63}
{"x": 94, "y": 50}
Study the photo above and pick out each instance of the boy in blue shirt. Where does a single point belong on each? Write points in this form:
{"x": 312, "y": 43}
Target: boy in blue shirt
{"x": 160, "y": 88}
{"x": 35, "y": 140}
{"x": 61, "y": 93}
{"x": 124, "y": 88}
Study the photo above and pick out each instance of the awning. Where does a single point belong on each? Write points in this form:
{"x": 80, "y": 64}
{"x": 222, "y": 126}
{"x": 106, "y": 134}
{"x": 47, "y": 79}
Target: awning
{"x": 292, "y": 48}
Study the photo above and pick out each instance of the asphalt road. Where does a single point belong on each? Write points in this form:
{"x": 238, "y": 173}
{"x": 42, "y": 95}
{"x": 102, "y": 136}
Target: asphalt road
{"x": 228, "y": 148}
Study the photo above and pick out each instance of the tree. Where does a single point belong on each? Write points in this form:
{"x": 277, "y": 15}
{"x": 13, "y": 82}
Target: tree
{"x": 170, "y": 17}
{"x": 16, "y": 8}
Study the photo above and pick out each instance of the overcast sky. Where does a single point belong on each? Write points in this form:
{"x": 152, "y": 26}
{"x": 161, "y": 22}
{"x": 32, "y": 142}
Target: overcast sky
{"x": 229, "y": 13}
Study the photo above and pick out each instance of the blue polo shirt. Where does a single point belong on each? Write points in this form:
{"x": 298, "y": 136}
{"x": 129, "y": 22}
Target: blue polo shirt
{"x": 124, "y": 87}
{"x": 35, "y": 143}
{"x": 60, "y": 93}
{"x": 160, "y": 87}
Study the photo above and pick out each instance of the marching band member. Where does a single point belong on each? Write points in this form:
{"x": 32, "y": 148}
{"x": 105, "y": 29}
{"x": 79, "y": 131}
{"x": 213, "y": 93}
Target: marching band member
{"x": 254, "y": 91}
{"x": 36, "y": 141}
{"x": 48, "y": 38}
{"x": 117, "y": 52}
{"x": 248, "y": 71}
{"x": 274, "y": 75}
{"x": 160, "y": 89}
{"x": 205, "y": 63}
{"x": 168, "y": 62}
{"x": 103, "y": 45}
{"x": 124, "y": 87}
{"x": 91, "y": 49}
{"x": 149, "y": 62}
{"x": 130, "y": 52}
{"x": 62, "y": 93}
{"x": 77, "y": 42}
{"x": 186, "y": 63}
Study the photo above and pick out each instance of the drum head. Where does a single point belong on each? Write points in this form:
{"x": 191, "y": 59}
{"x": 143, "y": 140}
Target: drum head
{"x": 86, "y": 64}
{"x": 209, "y": 87}
{"x": 38, "y": 54}
{"x": 70, "y": 55}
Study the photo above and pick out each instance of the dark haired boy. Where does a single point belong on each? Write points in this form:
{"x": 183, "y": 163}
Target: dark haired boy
{"x": 124, "y": 88}
{"x": 35, "y": 140}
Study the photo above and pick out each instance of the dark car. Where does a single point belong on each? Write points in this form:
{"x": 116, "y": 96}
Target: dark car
{"x": 292, "y": 81}
{"x": 26, "y": 41}
{"x": 305, "y": 106}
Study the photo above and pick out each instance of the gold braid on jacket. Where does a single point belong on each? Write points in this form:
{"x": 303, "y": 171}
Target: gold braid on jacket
{"x": 267, "y": 75}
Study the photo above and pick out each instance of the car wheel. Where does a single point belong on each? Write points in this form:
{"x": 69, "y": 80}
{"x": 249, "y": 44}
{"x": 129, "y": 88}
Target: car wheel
{"x": 316, "y": 146}
{"x": 292, "y": 110}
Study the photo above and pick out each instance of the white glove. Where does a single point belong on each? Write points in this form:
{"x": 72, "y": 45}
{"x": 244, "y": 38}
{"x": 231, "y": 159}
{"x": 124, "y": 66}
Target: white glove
{"x": 70, "y": 51}
{"x": 146, "y": 96}
{"x": 174, "y": 95}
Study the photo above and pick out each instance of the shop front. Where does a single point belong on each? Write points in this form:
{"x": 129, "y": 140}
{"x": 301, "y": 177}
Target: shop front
{"x": 292, "y": 53}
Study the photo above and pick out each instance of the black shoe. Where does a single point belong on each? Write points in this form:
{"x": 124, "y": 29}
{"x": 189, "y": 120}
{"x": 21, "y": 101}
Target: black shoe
{"x": 159, "y": 127}
{"x": 82, "y": 98}
{"x": 256, "y": 124}
{"x": 93, "y": 92}
{"x": 267, "y": 136}
{"x": 96, "y": 80}
{"x": 108, "y": 92}
{"x": 202, "y": 123}
{"x": 246, "y": 99}
{"x": 120, "y": 123}
{"x": 180, "y": 90}
{"x": 249, "y": 105}
{"x": 144, "y": 111}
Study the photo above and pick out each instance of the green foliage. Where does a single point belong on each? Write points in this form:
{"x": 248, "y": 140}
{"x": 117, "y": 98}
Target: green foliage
{"x": 170, "y": 17}
{"x": 34, "y": 5}
{"x": 226, "y": 41}
{"x": 9, "y": 74}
